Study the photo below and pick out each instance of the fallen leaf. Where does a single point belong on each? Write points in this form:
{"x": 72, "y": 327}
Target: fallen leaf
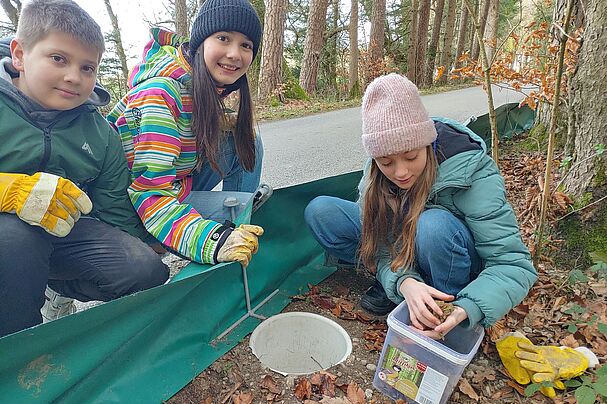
{"x": 497, "y": 330}
{"x": 208, "y": 400}
{"x": 324, "y": 302}
{"x": 465, "y": 388}
{"x": 242, "y": 398}
{"x": 503, "y": 392}
{"x": 363, "y": 317}
{"x": 268, "y": 383}
{"x": 303, "y": 390}
{"x": 341, "y": 290}
{"x": 520, "y": 389}
{"x": 599, "y": 346}
{"x": 316, "y": 379}
{"x": 314, "y": 289}
{"x": 569, "y": 341}
{"x": 600, "y": 288}
{"x": 355, "y": 394}
{"x": 334, "y": 400}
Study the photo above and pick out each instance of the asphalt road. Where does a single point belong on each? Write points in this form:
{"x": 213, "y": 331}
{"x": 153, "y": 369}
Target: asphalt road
{"x": 317, "y": 146}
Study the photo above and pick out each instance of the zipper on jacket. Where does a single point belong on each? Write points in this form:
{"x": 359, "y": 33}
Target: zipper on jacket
{"x": 47, "y": 147}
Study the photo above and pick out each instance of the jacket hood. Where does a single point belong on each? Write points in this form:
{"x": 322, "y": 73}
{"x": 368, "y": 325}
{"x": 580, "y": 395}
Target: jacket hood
{"x": 163, "y": 56}
{"x": 458, "y": 170}
{"x": 99, "y": 98}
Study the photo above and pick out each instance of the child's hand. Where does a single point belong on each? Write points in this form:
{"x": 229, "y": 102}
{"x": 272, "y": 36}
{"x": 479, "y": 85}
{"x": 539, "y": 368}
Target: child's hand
{"x": 420, "y": 297}
{"x": 450, "y": 322}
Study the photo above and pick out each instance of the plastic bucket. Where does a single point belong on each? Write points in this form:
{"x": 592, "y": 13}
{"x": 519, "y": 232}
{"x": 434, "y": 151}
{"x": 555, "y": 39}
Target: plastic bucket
{"x": 299, "y": 343}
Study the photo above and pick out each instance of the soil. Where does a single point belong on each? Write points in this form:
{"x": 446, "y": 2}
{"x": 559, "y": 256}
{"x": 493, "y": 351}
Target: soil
{"x": 238, "y": 376}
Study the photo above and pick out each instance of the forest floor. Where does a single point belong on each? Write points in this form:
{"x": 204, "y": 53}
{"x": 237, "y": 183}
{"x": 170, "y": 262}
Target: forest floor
{"x": 565, "y": 307}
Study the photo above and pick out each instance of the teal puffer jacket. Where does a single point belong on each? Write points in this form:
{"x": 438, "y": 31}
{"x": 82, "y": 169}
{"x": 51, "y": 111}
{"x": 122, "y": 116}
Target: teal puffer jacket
{"x": 469, "y": 185}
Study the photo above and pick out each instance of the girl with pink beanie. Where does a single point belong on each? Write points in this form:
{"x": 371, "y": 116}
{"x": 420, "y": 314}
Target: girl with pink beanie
{"x": 432, "y": 220}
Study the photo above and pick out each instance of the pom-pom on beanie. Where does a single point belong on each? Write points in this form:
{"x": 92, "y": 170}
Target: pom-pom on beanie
{"x": 394, "y": 118}
{"x": 225, "y": 15}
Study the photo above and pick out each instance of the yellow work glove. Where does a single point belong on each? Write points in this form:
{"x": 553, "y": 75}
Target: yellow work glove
{"x": 551, "y": 364}
{"x": 525, "y": 365}
{"x": 507, "y": 346}
{"x": 240, "y": 245}
{"x": 44, "y": 200}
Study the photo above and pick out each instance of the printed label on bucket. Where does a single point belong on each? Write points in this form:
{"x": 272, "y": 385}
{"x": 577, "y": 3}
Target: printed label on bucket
{"x": 411, "y": 377}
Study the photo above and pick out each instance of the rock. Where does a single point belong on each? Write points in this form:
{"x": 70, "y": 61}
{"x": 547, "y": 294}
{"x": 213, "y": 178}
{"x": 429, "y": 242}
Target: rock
{"x": 363, "y": 362}
{"x": 371, "y": 367}
{"x": 368, "y": 394}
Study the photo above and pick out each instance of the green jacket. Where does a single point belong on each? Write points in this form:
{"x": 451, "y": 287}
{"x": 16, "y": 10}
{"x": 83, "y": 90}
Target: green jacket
{"x": 469, "y": 185}
{"x": 77, "y": 144}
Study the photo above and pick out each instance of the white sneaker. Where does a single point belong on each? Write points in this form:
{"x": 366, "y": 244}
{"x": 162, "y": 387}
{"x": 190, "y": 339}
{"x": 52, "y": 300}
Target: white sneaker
{"x": 56, "y": 306}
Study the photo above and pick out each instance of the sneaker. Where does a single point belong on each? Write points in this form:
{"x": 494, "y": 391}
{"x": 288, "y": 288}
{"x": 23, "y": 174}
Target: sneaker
{"x": 333, "y": 261}
{"x": 56, "y": 306}
{"x": 375, "y": 300}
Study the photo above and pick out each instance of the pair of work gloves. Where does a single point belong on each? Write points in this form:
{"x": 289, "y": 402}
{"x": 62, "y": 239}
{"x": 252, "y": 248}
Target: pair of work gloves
{"x": 56, "y": 203}
{"x": 44, "y": 200}
{"x": 548, "y": 365}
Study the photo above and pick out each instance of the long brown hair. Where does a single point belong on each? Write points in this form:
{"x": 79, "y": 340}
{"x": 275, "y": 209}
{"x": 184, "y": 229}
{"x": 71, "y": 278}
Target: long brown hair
{"x": 390, "y": 214}
{"x": 207, "y": 111}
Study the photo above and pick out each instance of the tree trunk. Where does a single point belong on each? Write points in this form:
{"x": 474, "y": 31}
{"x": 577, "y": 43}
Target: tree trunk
{"x": 12, "y": 8}
{"x": 181, "y": 18}
{"x": 422, "y": 42}
{"x": 330, "y": 55}
{"x": 589, "y": 86}
{"x": 353, "y": 83}
{"x": 446, "y": 57}
{"x": 462, "y": 34}
{"x": 411, "y": 52}
{"x": 483, "y": 23}
{"x": 376, "y": 39}
{"x": 436, "y": 28}
{"x": 490, "y": 36}
{"x": 270, "y": 75}
{"x": 313, "y": 45}
{"x": 486, "y": 68}
{"x": 117, "y": 39}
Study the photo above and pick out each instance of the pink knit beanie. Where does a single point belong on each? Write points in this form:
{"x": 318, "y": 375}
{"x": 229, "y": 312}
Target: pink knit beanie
{"x": 394, "y": 118}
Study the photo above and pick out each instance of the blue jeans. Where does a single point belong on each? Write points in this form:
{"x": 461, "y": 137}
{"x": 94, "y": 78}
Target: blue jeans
{"x": 237, "y": 182}
{"x": 445, "y": 255}
{"x": 95, "y": 261}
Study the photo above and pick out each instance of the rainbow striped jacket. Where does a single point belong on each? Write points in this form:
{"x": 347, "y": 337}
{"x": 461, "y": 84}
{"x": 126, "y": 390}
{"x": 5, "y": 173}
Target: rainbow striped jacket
{"x": 154, "y": 123}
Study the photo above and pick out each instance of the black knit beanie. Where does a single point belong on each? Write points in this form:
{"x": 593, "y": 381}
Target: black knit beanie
{"x": 225, "y": 15}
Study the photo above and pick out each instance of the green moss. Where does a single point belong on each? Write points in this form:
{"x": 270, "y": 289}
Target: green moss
{"x": 583, "y": 201}
{"x": 535, "y": 141}
{"x": 599, "y": 178}
{"x": 585, "y": 237}
{"x": 294, "y": 91}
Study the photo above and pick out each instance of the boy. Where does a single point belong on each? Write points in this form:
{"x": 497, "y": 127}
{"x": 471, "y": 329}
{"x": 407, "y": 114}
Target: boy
{"x": 60, "y": 161}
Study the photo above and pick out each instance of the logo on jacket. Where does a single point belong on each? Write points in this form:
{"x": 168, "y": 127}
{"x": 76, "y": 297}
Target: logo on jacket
{"x": 87, "y": 147}
{"x": 136, "y": 112}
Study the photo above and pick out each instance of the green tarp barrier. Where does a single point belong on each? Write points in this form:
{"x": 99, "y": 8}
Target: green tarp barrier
{"x": 511, "y": 120}
{"x": 145, "y": 347}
